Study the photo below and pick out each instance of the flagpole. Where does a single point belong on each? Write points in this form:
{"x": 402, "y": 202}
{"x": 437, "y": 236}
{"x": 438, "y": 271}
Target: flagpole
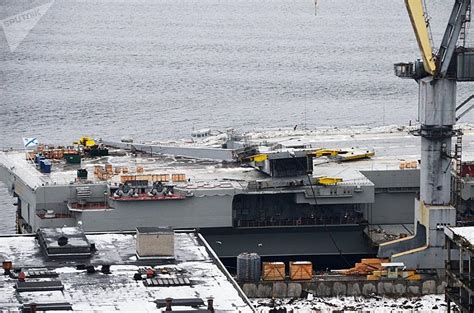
{"x": 26, "y": 143}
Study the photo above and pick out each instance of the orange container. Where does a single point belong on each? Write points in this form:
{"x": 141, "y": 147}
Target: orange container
{"x": 161, "y": 177}
{"x": 178, "y": 177}
{"x": 273, "y": 271}
{"x": 301, "y": 270}
{"x": 109, "y": 168}
{"x": 58, "y": 154}
{"x": 97, "y": 169}
{"x": 125, "y": 178}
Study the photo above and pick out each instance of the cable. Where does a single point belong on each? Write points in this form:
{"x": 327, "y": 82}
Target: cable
{"x": 325, "y": 224}
{"x": 427, "y": 21}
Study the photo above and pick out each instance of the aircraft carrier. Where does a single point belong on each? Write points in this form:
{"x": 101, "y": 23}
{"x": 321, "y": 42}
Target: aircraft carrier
{"x": 324, "y": 192}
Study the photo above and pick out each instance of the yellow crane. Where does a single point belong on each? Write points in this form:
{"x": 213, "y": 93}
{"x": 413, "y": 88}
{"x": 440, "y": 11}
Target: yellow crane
{"x": 420, "y": 25}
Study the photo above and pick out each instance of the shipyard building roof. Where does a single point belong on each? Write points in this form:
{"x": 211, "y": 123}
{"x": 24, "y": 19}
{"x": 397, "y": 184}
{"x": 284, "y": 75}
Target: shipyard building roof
{"x": 112, "y": 279}
{"x": 465, "y": 235}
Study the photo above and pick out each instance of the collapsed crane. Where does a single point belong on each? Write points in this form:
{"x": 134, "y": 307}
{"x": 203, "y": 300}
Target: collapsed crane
{"x": 437, "y": 75}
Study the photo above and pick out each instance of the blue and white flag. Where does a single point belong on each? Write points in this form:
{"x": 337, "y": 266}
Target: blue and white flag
{"x": 30, "y": 142}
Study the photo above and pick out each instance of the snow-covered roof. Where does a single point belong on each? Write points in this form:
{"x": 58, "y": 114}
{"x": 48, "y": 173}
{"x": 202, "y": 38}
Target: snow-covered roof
{"x": 463, "y": 234}
{"x": 119, "y": 291}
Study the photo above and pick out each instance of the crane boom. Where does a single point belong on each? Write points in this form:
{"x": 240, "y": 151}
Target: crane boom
{"x": 417, "y": 17}
{"x": 451, "y": 35}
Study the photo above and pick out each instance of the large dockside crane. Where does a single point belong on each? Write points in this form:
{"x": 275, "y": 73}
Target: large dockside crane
{"x": 437, "y": 75}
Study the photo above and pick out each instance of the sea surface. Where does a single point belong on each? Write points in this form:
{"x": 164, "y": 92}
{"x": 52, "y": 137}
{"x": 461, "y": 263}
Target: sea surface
{"x": 158, "y": 69}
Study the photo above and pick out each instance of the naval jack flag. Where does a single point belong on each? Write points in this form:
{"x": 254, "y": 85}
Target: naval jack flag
{"x": 30, "y": 142}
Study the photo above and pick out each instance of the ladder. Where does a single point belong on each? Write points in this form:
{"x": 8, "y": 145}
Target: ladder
{"x": 458, "y": 160}
{"x": 465, "y": 26}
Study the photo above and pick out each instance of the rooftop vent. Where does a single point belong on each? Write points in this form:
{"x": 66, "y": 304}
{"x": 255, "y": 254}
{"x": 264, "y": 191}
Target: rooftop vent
{"x": 28, "y": 286}
{"x": 155, "y": 242}
{"x": 34, "y": 307}
{"x": 66, "y": 242}
{"x": 168, "y": 302}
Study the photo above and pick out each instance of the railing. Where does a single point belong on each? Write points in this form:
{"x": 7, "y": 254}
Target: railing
{"x": 55, "y": 215}
{"x": 75, "y": 206}
{"x": 298, "y": 222}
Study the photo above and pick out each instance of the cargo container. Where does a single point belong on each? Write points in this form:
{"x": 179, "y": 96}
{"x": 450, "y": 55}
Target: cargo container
{"x": 273, "y": 271}
{"x": 82, "y": 173}
{"x": 72, "y": 158}
{"x": 465, "y": 65}
{"x": 45, "y": 166}
{"x": 38, "y": 158}
{"x": 301, "y": 270}
{"x": 467, "y": 169}
{"x": 161, "y": 177}
{"x": 178, "y": 178}
{"x": 248, "y": 267}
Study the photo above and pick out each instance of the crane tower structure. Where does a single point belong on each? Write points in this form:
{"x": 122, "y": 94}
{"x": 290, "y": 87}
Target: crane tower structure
{"x": 437, "y": 75}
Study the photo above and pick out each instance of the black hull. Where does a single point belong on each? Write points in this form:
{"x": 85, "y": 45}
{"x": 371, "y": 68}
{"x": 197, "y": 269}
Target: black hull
{"x": 335, "y": 246}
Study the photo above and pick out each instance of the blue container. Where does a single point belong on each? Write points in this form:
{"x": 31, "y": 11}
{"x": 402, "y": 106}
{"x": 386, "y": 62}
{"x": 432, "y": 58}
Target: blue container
{"x": 41, "y": 164}
{"x": 45, "y": 166}
{"x": 38, "y": 158}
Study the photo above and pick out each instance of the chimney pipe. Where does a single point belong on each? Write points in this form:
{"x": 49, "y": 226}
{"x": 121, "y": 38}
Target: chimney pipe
{"x": 105, "y": 268}
{"x": 210, "y": 304}
{"x": 168, "y": 304}
{"x": 21, "y": 276}
{"x": 7, "y": 267}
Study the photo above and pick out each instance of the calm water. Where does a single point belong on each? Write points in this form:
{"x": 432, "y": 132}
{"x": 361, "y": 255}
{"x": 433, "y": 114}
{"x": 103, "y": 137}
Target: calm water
{"x": 156, "y": 69}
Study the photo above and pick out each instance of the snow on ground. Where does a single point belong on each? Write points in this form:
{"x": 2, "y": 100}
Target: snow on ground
{"x": 431, "y": 303}
{"x": 269, "y": 133}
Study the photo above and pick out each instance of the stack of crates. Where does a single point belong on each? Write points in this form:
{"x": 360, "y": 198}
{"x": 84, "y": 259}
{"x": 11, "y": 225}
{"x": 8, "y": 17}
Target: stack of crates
{"x": 178, "y": 178}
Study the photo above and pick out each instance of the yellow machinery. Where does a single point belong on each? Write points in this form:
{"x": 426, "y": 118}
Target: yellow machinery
{"x": 86, "y": 142}
{"x": 326, "y": 152}
{"x": 342, "y": 155}
{"x": 328, "y": 181}
{"x": 355, "y": 156}
{"x": 258, "y": 157}
{"x": 393, "y": 271}
{"x": 379, "y": 269}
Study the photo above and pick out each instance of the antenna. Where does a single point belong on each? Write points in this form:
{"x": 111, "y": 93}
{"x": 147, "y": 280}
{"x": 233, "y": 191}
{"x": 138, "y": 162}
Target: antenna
{"x": 305, "y": 100}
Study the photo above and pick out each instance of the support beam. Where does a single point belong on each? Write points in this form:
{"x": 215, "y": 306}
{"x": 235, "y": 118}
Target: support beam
{"x": 465, "y": 111}
{"x": 451, "y": 35}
